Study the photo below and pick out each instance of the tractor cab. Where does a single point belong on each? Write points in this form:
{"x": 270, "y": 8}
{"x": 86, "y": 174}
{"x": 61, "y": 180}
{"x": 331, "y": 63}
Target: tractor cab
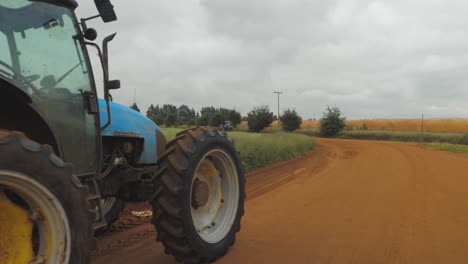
{"x": 45, "y": 72}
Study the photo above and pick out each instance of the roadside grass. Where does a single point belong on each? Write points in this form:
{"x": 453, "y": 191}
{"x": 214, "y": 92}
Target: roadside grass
{"x": 446, "y": 147}
{"x": 406, "y": 136}
{"x": 260, "y": 150}
{"x": 389, "y": 135}
{"x": 170, "y": 132}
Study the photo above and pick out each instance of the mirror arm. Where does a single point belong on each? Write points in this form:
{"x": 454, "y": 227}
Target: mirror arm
{"x": 105, "y": 77}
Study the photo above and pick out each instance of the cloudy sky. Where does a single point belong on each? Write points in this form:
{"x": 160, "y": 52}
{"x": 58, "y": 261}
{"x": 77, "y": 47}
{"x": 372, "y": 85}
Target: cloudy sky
{"x": 389, "y": 59}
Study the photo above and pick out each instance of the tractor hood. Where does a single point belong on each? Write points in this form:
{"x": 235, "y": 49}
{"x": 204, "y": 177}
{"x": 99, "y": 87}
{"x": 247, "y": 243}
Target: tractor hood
{"x": 128, "y": 123}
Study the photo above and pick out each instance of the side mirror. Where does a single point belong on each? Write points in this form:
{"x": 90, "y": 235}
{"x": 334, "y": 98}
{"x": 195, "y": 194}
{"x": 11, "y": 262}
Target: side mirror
{"x": 106, "y": 10}
{"x": 112, "y": 85}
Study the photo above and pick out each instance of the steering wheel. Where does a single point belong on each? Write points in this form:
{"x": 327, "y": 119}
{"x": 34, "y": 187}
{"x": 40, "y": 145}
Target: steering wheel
{"x": 26, "y": 79}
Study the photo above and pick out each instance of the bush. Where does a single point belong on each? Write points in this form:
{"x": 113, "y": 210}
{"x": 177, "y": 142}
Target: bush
{"x": 463, "y": 140}
{"x": 332, "y": 122}
{"x": 290, "y": 120}
{"x": 171, "y": 119}
{"x": 158, "y": 119}
{"x": 216, "y": 120}
{"x": 259, "y": 118}
{"x": 203, "y": 120}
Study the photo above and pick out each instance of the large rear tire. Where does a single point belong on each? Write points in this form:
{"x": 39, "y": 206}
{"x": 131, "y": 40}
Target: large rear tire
{"x": 39, "y": 189}
{"x": 199, "y": 199}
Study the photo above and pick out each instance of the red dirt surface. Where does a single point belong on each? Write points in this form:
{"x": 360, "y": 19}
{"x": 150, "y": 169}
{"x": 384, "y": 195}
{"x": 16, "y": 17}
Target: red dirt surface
{"x": 347, "y": 202}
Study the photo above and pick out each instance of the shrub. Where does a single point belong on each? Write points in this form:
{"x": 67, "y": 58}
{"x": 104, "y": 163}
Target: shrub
{"x": 158, "y": 119}
{"x": 216, "y": 120}
{"x": 332, "y": 122}
{"x": 171, "y": 119}
{"x": 259, "y": 118}
{"x": 290, "y": 120}
{"x": 463, "y": 140}
{"x": 203, "y": 120}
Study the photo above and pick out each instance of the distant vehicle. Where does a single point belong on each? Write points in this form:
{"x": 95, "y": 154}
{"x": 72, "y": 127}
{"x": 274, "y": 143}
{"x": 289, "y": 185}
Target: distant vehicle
{"x": 227, "y": 126}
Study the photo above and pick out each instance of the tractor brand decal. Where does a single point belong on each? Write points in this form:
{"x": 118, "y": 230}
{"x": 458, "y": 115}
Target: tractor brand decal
{"x": 126, "y": 134}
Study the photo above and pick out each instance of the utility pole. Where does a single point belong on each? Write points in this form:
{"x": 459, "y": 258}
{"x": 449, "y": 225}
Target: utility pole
{"x": 278, "y": 106}
{"x": 422, "y": 127}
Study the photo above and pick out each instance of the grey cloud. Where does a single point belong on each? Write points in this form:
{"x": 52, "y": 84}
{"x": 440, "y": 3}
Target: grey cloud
{"x": 392, "y": 59}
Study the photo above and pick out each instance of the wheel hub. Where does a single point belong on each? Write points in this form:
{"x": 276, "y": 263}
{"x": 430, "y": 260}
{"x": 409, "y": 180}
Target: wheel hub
{"x": 16, "y": 229}
{"x": 200, "y": 193}
{"x": 215, "y": 196}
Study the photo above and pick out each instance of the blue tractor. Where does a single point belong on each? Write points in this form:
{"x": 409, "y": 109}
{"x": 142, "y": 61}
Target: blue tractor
{"x": 68, "y": 160}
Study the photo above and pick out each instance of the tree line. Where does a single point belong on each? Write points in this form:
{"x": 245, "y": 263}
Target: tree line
{"x": 258, "y": 119}
{"x": 171, "y": 115}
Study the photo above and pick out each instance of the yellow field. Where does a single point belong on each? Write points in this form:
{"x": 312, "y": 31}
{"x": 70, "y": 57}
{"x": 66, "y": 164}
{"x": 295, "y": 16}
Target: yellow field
{"x": 450, "y": 124}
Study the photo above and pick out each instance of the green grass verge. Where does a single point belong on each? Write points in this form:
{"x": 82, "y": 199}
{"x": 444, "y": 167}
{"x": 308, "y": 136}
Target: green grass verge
{"x": 404, "y": 136}
{"x": 260, "y": 150}
{"x": 446, "y": 147}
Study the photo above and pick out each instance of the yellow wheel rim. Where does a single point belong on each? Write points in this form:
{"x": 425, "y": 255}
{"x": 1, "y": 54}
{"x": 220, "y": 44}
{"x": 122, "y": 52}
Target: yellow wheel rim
{"x": 33, "y": 225}
{"x": 16, "y": 233}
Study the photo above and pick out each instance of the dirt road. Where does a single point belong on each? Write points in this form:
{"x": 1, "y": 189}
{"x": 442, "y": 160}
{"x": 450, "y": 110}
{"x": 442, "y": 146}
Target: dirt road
{"x": 348, "y": 202}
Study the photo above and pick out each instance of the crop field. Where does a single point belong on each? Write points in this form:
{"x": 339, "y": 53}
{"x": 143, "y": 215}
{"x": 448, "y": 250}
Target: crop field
{"x": 259, "y": 150}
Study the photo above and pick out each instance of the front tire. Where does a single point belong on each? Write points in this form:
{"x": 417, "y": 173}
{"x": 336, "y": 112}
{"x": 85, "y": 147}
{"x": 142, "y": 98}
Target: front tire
{"x": 48, "y": 203}
{"x": 199, "y": 199}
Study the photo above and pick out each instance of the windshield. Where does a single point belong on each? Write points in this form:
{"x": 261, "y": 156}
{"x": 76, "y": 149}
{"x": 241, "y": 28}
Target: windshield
{"x": 38, "y": 48}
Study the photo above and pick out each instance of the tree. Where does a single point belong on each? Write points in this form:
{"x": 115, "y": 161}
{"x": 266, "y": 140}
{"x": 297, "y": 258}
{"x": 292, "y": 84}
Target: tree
{"x": 158, "y": 119}
{"x": 203, "y": 120}
{"x": 150, "y": 111}
{"x": 185, "y": 114}
{"x": 332, "y": 122}
{"x": 235, "y": 117}
{"x": 290, "y": 120}
{"x": 259, "y": 118}
{"x": 216, "y": 120}
{"x": 135, "y": 107}
{"x": 171, "y": 119}
{"x": 364, "y": 126}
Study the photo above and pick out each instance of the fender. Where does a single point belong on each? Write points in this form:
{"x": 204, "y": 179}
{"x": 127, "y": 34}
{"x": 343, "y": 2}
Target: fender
{"x": 128, "y": 123}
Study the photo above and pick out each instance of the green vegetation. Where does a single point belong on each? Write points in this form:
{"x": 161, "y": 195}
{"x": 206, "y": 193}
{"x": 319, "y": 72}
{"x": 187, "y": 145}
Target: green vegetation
{"x": 259, "y": 150}
{"x": 388, "y": 135}
{"x": 171, "y": 115}
{"x": 171, "y": 119}
{"x": 290, "y": 120}
{"x": 405, "y": 136}
{"x": 170, "y": 132}
{"x": 217, "y": 119}
{"x": 332, "y": 122}
{"x": 259, "y": 118}
{"x": 446, "y": 147}
{"x": 135, "y": 107}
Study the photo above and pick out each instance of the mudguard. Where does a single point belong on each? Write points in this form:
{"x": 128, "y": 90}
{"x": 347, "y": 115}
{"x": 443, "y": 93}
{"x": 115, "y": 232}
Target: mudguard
{"x": 126, "y": 122}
